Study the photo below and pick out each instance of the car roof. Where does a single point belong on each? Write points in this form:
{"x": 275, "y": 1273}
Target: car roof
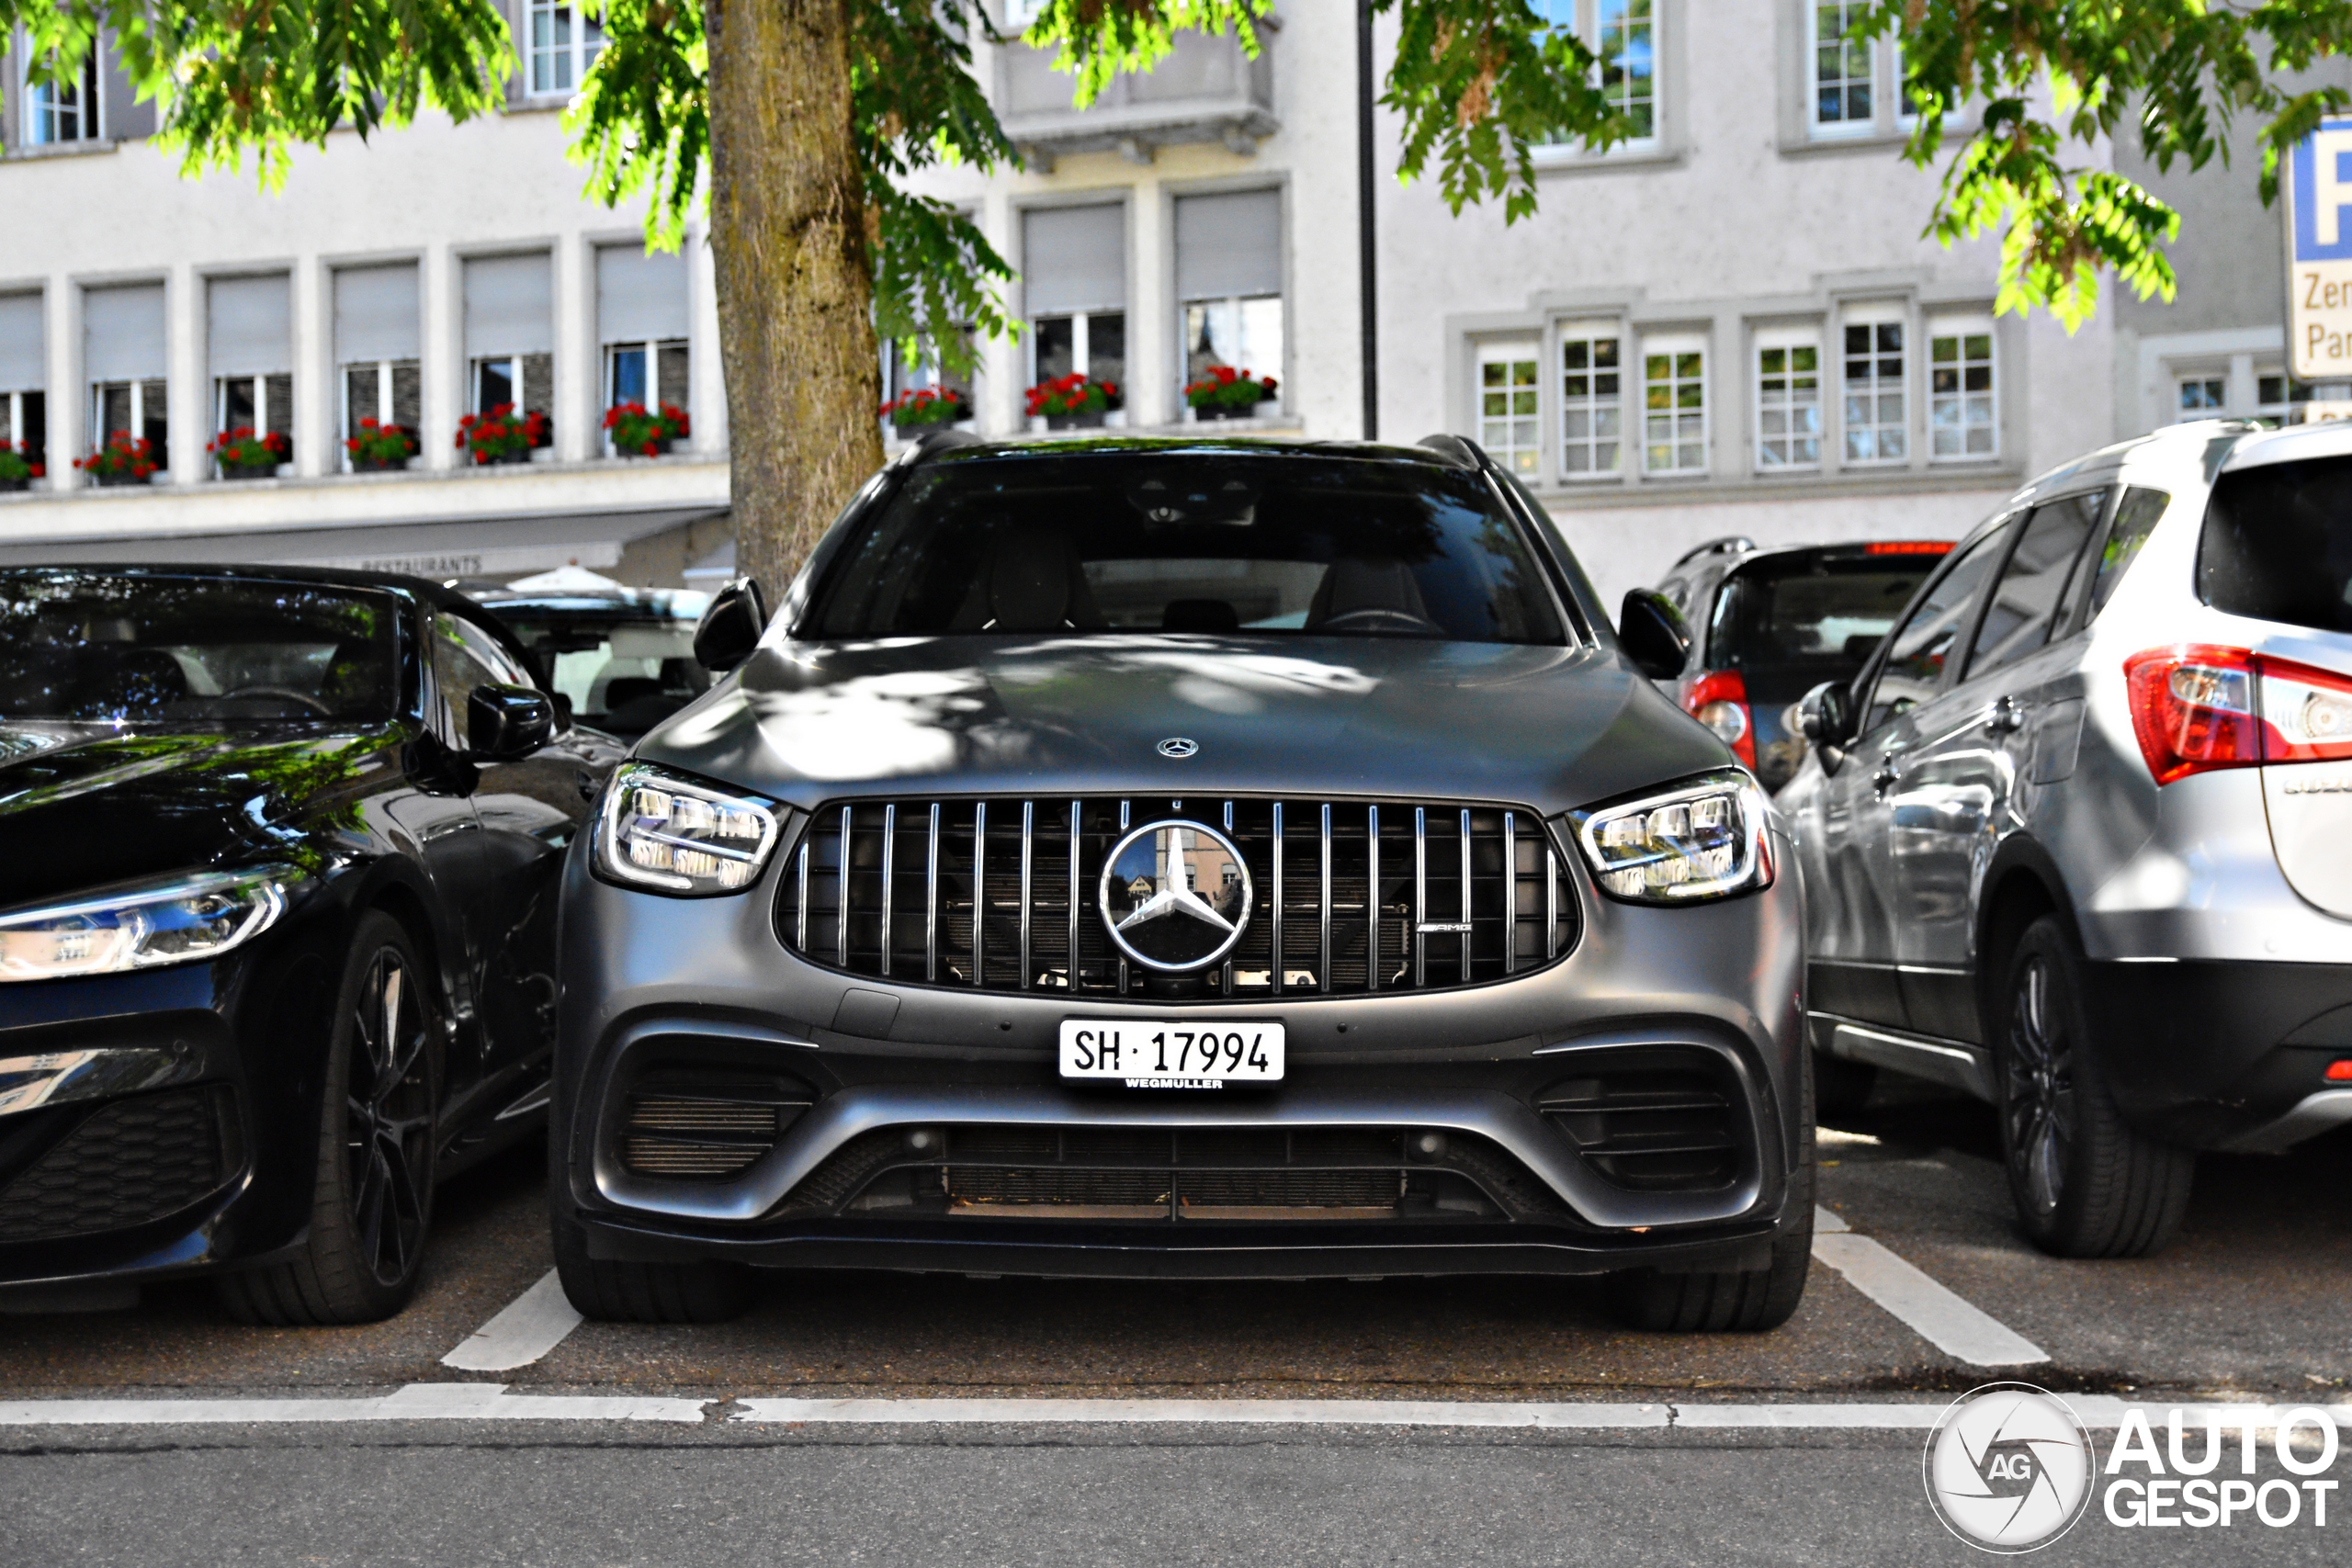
{"x": 955, "y": 446}
{"x": 418, "y": 588}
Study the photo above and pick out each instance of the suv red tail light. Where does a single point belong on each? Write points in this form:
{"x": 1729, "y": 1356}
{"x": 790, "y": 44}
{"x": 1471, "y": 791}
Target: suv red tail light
{"x": 2197, "y": 707}
{"x": 1719, "y": 700}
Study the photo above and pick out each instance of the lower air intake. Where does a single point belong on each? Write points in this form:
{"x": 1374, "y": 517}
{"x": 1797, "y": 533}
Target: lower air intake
{"x": 1653, "y": 1120}
{"x": 125, "y": 1164}
{"x": 699, "y": 1125}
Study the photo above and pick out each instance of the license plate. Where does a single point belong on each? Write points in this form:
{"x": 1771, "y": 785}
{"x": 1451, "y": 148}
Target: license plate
{"x": 1156, "y": 1054}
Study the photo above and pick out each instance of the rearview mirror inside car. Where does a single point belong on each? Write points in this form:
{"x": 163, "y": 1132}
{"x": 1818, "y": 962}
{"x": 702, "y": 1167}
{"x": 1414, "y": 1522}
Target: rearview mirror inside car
{"x": 731, "y": 627}
{"x": 1825, "y": 715}
{"x": 507, "y": 722}
{"x": 1653, "y": 634}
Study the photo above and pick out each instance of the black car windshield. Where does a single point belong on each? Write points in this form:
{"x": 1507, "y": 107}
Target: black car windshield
{"x": 1164, "y": 542}
{"x": 1816, "y": 607}
{"x": 132, "y": 648}
{"x": 2278, "y": 544}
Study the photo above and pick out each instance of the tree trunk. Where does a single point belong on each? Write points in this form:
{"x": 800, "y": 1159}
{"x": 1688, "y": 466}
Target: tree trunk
{"x": 796, "y": 281}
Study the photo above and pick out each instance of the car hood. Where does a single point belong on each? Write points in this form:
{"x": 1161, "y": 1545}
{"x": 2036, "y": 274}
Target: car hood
{"x": 82, "y": 807}
{"x": 1549, "y": 728}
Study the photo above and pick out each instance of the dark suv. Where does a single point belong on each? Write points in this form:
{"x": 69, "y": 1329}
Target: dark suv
{"x": 1773, "y": 622}
{"x": 1143, "y": 858}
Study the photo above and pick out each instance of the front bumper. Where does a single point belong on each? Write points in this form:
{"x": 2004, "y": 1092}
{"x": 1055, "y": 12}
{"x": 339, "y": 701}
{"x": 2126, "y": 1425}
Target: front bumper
{"x": 649, "y": 979}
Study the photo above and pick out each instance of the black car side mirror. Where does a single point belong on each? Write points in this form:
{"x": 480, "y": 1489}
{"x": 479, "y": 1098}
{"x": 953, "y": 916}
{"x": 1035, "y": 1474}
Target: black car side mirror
{"x": 1653, "y": 634}
{"x": 731, "y": 626}
{"x": 507, "y": 722}
{"x": 1825, "y": 715}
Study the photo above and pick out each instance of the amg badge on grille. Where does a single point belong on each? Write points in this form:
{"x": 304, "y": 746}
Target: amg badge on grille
{"x": 1175, "y": 896}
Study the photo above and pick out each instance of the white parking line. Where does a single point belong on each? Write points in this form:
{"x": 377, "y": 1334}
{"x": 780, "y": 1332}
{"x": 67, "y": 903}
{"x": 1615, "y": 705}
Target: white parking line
{"x": 416, "y": 1401}
{"x": 1937, "y": 1315}
{"x": 528, "y": 1328}
{"x": 1160, "y": 1412}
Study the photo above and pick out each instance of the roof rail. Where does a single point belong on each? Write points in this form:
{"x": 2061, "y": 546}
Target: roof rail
{"x": 1730, "y": 544}
{"x": 930, "y": 443}
{"x": 1459, "y": 450}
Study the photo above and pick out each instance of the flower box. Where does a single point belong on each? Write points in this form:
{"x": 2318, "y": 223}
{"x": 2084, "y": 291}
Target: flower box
{"x": 113, "y": 480}
{"x": 499, "y": 434}
{"x": 7, "y": 484}
{"x": 378, "y": 465}
{"x": 249, "y": 470}
{"x": 926, "y": 408}
{"x": 18, "y": 469}
{"x": 241, "y": 453}
{"x": 1094, "y": 420}
{"x": 1227, "y": 393}
{"x": 1072, "y": 402}
{"x": 1227, "y": 410}
{"x": 379, "y": 447}
{"x": 123, "y": 460}
{"x": 636, "y": 432}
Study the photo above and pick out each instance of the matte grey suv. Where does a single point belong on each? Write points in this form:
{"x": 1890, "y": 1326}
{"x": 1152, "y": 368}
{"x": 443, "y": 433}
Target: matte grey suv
{"x": 1155, "y": 858}
{"x": 2079, "y": 840}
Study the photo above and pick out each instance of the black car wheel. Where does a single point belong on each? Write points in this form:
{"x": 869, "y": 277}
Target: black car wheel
{"x": 2085, "y": 1184}
{"x": 1745, "y": 1300}
{"x": 646, "y": 1292}
{"x": 372, "y": 1205}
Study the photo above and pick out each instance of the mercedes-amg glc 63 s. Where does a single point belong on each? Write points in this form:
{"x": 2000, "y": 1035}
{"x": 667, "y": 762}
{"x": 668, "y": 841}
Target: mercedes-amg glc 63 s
{"x": 1185, "y": 858}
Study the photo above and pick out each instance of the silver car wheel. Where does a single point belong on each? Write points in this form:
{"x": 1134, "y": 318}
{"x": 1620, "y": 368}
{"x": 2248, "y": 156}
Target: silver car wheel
{"x": 2038, "y": 1098}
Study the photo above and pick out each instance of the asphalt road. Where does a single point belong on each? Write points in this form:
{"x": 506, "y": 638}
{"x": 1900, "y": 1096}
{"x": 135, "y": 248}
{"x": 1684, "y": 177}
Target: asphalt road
{"x": 2250, "y": 1304}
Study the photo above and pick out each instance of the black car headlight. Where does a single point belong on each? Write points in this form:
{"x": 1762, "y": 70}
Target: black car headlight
{"x": 176, "y": 919}
{"x": 668, "y": 834}
{"x": 1702, "y": 839}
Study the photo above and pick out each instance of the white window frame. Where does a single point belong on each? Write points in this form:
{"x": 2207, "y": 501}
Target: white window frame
{"x": 578, "y": 51}
{"x": 1822, "y": 129}
{"x": 13, "y": 430}
{"x": 1592, "y": 403}
{"x": 260, "y": 384}
{"x": 350, "y": 417}
{"x": 1525, "y": 460}
{"x": 38, "y": 105}
{"x": 2212, "y": 383}
{"x": 100, "y": 434}
{"x": 1790, "y": 342}
{"x": 1279, "y": 369}
{"x": 1871, "y": 318}
{"x": 2282, "y": 408}
{"x": 1586, "y": 20}
{"x": 1674, "y": 346}
{"x": 1963, "y": 327}
{"x": 1080, "y": 348}
{"x": 652, "y": 348}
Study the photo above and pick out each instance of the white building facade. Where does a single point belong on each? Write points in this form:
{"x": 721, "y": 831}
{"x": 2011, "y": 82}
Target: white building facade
{"x": 1731, "y": 325}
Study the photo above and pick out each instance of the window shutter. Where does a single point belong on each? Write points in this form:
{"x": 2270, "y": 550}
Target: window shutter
{"x": 122, "y": 334}
{"x": 1228, "y": 245}
{"x": 375, "y": 314}
{"x": 24, "y": 344}
{"x": 640, "y": 297}
{"x": 250, "y": 333}
{"x": 1074, "y": 258}
{"x": 509, "y": 306}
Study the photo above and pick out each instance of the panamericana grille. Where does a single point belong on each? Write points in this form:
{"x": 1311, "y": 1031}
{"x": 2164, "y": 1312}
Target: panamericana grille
{"x": 1352, "y": 896}
{"x": 700, "y": 1123}
{"x": 1652, "y": 1119}
{"x": 1098, "y": 1173}
{"x": 124, "y": 1165}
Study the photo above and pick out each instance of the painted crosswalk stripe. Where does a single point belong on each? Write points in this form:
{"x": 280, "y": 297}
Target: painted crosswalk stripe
{"x": 1937, "y": 1315}
{"x": 526, "y": 1330}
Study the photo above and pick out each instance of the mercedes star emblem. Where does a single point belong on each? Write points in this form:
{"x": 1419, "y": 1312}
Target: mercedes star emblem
{"x": 1175, "y": 894}
{"x": 1179, "y": 747}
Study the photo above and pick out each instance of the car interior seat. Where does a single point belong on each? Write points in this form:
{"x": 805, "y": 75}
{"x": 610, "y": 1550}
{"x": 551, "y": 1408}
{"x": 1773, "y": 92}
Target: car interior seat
{"x": 1031, "y": 582}
{"x": 1198, "y": 616}
{"x": 1369, "y": 593}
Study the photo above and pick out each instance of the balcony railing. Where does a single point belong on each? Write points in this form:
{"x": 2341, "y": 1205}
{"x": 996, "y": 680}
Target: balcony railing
{"x": 1207, "y": 89}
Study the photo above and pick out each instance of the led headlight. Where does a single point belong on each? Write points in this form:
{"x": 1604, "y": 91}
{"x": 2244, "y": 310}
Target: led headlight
{"x": 1700, "y": 839}
{"x": 192, "y": 916}
{"x": 672, "y": 835}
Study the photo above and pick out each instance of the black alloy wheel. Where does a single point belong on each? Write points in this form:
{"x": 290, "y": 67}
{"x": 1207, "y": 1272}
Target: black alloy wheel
{"x": 372, "y": 1204}
{"x": 2086, "y": 1183}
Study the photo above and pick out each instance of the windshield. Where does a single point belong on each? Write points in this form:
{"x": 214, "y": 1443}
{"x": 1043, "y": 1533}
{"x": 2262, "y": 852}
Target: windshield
{"x": 1268, "y": 546}
{"x": 132, "y": 648}
{"x": 2278, "y": 544}
{"x": 621, "y": 673}
{"x": 1814, "y": 610}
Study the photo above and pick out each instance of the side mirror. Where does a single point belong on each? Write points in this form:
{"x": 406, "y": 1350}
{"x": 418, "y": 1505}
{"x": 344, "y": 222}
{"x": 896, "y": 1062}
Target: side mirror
{"x": 562, "y": 713}
{"x": 1654, "y": 633}
{"x": 507, "y": 722}
{"x": 1825, "y": 715}
{"x": 731, "y": 627}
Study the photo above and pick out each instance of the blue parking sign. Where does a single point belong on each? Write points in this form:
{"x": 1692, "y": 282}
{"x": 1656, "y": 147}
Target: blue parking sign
{"x": 2319, "y": 252}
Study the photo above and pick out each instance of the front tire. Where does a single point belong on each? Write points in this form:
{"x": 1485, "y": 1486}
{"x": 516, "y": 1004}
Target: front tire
{"x": 2085, "y": 1183}
{"x": 610, "y": 1292}
{"x": 372, "y": 1199}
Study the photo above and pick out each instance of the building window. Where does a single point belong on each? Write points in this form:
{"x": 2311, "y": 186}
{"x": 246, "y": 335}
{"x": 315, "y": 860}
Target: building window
{"x": 510, "y": 334}
{"x": 1674, "y": 405}
{"x": 1074, "y": 277}
{"x": 1508, "y": 426}
{"x": 1961, "y": 414}
{"x": 1591, "y": 404}
{"x": 1229, "y": 283}
{"x": 1842, "y": 97}
{"x": 55, "y": 113}
{"x": 900, "y": 376}
{"x": 2282, "y": 398}
{"x": 1623, "y": 35}
{"x": 249, "y": 345}
{"x": 124, "y": 355}
{"x": 376, "y": 343}
{"x": 389, "y": 391}
{"x": 1788, "y": 400}
{"x": 525, "y": 381}
{"x": 563, "y": 46}
{"x": 24, "y": 376}
{"x": 132, "y": 409}
{"x": 263, "y": 404}
{"x": 642, "y": 321}
{"x": 1876, "y": 404}
{"x": 2200, "y": 397}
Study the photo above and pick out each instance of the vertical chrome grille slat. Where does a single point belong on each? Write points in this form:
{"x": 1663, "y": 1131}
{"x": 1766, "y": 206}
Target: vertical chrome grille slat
{"x": 840, "y": 894}
{"x": 1028, "y": 862}
{"x": 871, "y": 932}
{"x": 931, "y": 900}
{"x": 889, "y": 868}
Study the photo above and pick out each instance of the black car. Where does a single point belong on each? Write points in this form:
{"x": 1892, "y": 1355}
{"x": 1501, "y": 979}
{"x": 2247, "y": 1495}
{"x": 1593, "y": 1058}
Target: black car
{"x": 1772, "y": 622}
{"x": 621, "y": 658}
{"x": 277, "y": 933}
{"x": 1211, "y": 858}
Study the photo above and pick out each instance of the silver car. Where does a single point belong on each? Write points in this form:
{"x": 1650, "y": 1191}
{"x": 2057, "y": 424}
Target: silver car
{"x": 2078, "y": 839}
